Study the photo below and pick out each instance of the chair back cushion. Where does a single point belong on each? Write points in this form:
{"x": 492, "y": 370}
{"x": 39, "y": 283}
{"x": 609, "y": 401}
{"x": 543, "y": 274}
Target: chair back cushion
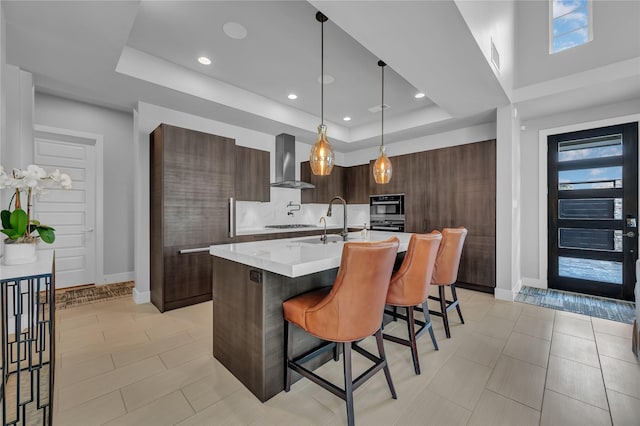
{"x": 353, "y": 308}
{"x": 445, "y": 271}
{"x": 410, "y": 284}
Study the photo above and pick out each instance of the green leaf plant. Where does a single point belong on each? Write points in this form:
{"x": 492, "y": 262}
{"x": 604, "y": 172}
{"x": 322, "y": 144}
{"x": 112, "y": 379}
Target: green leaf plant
{"x": 18, "y": 225}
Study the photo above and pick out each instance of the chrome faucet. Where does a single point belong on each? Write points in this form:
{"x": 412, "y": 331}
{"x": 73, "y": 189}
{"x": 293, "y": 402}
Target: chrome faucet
{"x": 323, "y": 238}
{"x": 344, "y": 223}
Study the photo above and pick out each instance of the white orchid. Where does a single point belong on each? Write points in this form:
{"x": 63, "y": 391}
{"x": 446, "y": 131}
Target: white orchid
{"x": 33, "y": 180}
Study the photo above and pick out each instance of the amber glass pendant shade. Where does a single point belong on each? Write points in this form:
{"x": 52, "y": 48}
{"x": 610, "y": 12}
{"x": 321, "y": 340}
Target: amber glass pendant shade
{"x": 382, "y": 169}
{"x": 322, "y": 157}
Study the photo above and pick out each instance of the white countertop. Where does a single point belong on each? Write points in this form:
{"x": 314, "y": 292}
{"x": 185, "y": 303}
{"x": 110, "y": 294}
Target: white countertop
{"x": 293, "y": 257}
{"x": 41, "y": 266}
{"x": 260, "y": 231}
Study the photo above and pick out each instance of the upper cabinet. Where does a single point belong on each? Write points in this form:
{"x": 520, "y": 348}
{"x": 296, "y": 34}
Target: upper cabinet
{"x": 356, "y": 184}
{"x": 326, "y": 187}
{"x": 252, "y": 174}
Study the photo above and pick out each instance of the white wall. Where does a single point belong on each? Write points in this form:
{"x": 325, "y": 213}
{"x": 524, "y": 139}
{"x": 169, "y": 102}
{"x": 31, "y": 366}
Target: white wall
{"x": 616, "y": 37}
{"x": 493, "y": 21}
{"x": 3, "y": 103}
{"x": 117, "y": 129}
{"x": 533, "y": 176}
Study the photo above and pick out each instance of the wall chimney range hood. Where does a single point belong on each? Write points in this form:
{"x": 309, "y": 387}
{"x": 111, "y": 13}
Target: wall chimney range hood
{"x": 286, "y": 164}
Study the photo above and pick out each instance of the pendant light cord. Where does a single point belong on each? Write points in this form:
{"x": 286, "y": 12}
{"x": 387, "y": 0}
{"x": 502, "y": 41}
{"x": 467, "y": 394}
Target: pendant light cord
{"x": 382, "y": 107}
{"x": 322, "y": 73}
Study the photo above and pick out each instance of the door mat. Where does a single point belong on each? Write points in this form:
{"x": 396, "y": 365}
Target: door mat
{"x": 594, "y": 306}
{"x": 86, "y": 295}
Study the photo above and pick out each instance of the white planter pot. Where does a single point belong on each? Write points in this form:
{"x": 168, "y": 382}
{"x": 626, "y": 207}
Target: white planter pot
{"x": 19, "y": 254}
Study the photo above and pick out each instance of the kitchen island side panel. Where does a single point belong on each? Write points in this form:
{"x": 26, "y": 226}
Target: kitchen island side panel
{"x": 248, "y": 327}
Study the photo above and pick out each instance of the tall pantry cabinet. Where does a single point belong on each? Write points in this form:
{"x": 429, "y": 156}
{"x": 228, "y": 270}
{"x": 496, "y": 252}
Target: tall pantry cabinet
{"x": 192, "y": 189}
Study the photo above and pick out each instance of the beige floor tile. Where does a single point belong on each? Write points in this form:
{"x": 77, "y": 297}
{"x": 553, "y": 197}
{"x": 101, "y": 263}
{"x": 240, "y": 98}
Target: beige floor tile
{"x": 625, "y": 410}
{"x": 499, "y": 328}
{"x": 573, "y": 315}
{"x": 528, "y": 348}
{"x": 144, "y": 391}
{"x": 536, "y": 327}
{"x": 77, "y": 372}
{"x": 431, "y": 408}
{"x": 496, "y": 410}
{"x": 94, "y": 412}
{"x": 72, "y": 323}
{"x": 615, "y": 347}
{"x": 539, "y": 312}
{"x": 621, "y": 376}
{"x": 460, "y": 380}
{"x": 506, "y": 310}
{"x": 474, "y": 312}
{"x": 87, "y": 353}
{"x": 167, "y": 410}
{"x": 612, "y": 327}
{"x": 295, "y": 408}
{"x": 211, "y": 388}
{"x": 185, "y": 353}
{"x": 575, "y": 348}
{"x": 518, "y": 380}
{"x": 560, "y": 410}
{"x": 80, "y": 338}
{"x": 576, "y": 380}
{"x": 482, "y": 349}
{"x": 86, "y": 390}
{"x": 239, "y": 408}
{"x": 575, "y": 327}
{"x": 148, "y": 349}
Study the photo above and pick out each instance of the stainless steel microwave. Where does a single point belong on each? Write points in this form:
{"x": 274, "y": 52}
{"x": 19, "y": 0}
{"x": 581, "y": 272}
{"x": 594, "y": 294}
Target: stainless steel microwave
{"x": 387, "y": 212}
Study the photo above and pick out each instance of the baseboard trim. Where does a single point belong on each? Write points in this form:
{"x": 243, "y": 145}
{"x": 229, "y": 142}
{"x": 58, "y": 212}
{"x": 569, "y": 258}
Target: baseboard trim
{"x": 503, "y": 294}
{"x": 141, "y": 297}
{"x": 118, "y": 278}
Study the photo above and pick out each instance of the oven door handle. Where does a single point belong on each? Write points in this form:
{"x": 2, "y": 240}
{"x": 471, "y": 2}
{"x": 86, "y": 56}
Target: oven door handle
{"x": 375, "y": 203}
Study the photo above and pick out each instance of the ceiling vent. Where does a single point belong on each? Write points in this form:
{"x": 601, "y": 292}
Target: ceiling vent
{"x": 495, "y": 56}
{"x": 379, "y": 108}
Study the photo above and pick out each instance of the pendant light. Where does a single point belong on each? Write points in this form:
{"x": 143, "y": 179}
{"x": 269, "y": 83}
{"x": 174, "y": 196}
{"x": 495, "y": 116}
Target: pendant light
{"x": 382, "y": 169}
{"x": 322, "y": 157}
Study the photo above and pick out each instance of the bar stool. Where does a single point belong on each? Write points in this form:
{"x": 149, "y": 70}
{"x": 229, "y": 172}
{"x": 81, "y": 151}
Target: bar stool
{"x": 445, "y": 273}
{"x": 409, "y": 287}
{"x": 342, "y": 315}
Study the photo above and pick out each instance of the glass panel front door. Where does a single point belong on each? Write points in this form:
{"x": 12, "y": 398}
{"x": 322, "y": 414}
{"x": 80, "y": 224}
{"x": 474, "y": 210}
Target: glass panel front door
{"x": 593, "y": 207}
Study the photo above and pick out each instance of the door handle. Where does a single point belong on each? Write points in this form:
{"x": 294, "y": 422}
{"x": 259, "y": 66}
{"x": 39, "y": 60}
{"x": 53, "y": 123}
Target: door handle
{"x": 629, "y": 234}
{"x": 88, "y": 230}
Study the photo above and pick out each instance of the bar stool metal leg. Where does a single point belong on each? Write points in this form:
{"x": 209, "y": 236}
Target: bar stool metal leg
{"x": 383, "y": 356}
{"x": 348, "y": 382}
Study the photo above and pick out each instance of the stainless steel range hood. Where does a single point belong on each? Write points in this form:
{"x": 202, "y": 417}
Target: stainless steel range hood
{"x": 286, "y": 164}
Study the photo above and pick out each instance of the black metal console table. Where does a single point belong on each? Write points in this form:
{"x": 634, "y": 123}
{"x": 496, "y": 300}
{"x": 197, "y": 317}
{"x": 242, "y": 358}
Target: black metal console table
{"x": 27, "y": 312}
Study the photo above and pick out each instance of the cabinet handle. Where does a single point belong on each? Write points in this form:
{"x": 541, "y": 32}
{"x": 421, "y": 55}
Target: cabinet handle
{"x": 193, "y": 250}
{"x": 232, "y": 218}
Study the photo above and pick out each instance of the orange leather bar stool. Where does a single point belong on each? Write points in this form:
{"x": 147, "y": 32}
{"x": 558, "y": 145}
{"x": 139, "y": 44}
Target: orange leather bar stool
{"x": 343, "y": 314}
{"x": 445, "y": 273}
{"x": 409, "y": 287}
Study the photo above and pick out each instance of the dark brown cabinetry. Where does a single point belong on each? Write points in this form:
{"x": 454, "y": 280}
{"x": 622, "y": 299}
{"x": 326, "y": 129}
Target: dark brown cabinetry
{"x": 356, "y": 184}
{"x": 252, "y": 174}
{"x": 192, "y": 182}
{"x": 326, "y": 187}
{"x": 450, "y": 187}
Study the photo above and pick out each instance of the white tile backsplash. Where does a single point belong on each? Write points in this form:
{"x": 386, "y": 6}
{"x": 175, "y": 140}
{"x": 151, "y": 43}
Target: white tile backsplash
{"x": 254, "y": 215}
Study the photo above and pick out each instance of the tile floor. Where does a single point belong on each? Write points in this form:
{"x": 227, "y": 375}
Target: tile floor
{"x": 119, "y": 363}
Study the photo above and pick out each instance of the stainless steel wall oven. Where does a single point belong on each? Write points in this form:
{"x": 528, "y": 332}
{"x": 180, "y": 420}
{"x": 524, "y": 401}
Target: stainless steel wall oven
{"x": 387, "y": 212}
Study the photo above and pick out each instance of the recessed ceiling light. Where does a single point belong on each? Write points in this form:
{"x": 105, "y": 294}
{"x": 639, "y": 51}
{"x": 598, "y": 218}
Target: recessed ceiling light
{"x": 328, "y": 79}
{"x": 292, "y": 96}
{"x": 204, "y": 60}
{"x": 234, "y": 30}
{"x": 347, "y": 118}
{"x": 419, "y": 95}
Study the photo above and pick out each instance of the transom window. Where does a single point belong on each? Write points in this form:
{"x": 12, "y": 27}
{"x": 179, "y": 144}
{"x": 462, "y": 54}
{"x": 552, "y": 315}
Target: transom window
{"x": 570, "y": 24}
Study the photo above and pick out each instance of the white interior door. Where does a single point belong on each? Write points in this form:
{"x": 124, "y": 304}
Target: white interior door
{"x": 71, "y": 212}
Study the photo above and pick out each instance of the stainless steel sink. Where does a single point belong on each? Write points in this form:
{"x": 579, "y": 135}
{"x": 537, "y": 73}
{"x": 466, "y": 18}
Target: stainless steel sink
{"x": 317, "y": 240}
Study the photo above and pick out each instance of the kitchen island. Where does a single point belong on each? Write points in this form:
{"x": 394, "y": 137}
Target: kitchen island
{"x": 250, "y": 282}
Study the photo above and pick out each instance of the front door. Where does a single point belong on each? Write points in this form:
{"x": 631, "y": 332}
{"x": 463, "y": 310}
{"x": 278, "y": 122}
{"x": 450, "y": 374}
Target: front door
{"x": 71, "y": 212}
{"x": 593, "y": 210}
